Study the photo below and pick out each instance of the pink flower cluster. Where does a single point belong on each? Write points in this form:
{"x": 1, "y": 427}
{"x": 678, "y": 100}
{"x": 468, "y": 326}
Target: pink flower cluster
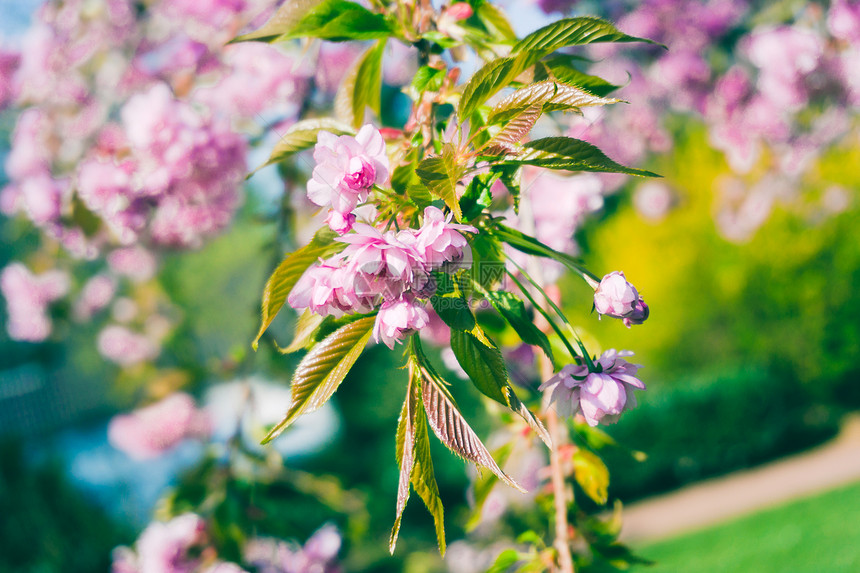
{"x": 170, "y": 172}
{"x": 180, "y": 545}
{"x": 150, "y": 431}
{"x": 616, "y": 297}
{"x": 9, "y": 61}
{"x": 389, "y": 271}
{"x": 774, "y": 97}
{"x": 319, "y": 554}
{"x": 27, "y": 299}
{"x": 601, "y": 394}
{"x": 346, "y": 169}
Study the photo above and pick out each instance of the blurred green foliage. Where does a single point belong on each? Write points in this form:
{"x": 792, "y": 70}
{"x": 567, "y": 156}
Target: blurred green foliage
{"x": 47, "y": 525}
{"x": 752, "y": 345}
{"x": 710, "y": 424}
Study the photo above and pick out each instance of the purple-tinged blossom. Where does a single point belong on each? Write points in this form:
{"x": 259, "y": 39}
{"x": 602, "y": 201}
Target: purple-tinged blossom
{"x": 601, "y": 394}
{"x": 616, "y": 297}
{"x": 347, "y": 167}
{"x": 398, "y": 319}
{"x": 638, "y": 316}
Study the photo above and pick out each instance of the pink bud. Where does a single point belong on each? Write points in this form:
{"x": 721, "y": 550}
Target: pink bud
{"x": 459, "y": 11}
{"x": 340, "y": 223}
{"x": 398, "y": 319}
{"x": 615, "y": 296}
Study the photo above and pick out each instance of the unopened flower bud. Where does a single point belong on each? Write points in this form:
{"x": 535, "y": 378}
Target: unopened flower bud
{"x": 616, "y": 297}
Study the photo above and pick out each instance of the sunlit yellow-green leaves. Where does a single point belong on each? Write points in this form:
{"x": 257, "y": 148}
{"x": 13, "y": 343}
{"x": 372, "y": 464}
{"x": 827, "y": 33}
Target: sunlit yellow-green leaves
{"x": 322, "y": 370}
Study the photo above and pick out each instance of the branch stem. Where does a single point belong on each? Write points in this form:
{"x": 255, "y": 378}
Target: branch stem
{"x": 562, "y": 529}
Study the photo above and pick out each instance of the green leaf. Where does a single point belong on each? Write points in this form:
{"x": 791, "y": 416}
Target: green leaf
{"x": 511, "y": 177}
{"x": 477, "y": 196}
{"x": 495, "y": 20}
{"x": 560, "y": 68}
{"x": 505, "y": 560}
{"x": 486, "y": 368}
{"x": 416, "y": 466}
{"x": 514, "y": 312}
{"x": 303, "y": 135}
{"x": 547, "y": 96}
{"x": 361, "y": 87}
{"x": 306, "y": 326}
{"x": 592, "y": 475}
{"x": 451, "y": 428}
{"x": 339, "y": 21}
{"x": 454, "y": 311}
{"x": 505, "y": 142}
{"x": 570, "y": 154}
{"x": 491, "y": 78}
{"x": 440, "y": 174}
{"x": 428, "y": 79}
{"x": 289, "y": 272}
{"x": 572, "y": 32}
{"x": 286, "y": 19}
{"x": 322, "y": 370}
{"x": 405, "y": 457}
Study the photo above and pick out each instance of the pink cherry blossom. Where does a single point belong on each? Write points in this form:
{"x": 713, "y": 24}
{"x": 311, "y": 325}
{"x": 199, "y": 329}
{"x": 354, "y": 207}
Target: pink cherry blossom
{"x": 192, "y": 165}
{"x": 107, "y": 189}
{"x": 150, "y": 431}
{"x": 388, "y": 263}
{"x": 398, "y": 319}
{"x": 30, "y": 153}
{"x": 347, "y": 167}
{"x": 165, "y": 547}
{"x": 136, "y": 263}
{"x": 784, "y": 55}
{"x": 601, "y": 394}
{"x": 653, "y": 200}
{"x": 339, "y": 222}
{"x": 319, "y": 553}
{"x": 279, "y": 82}
{"x": 334, "y": 60}
{"x": 440, "y": 242}
{"x": 96, "y": 295}
{"x": 41, "y": 197}
{"x": 329, "y": 289}
{"x": 843, "y": 20}
{"x": 125, "y": 347}
{"x": 27, "y": 299}
{"x": 9, "y": 62}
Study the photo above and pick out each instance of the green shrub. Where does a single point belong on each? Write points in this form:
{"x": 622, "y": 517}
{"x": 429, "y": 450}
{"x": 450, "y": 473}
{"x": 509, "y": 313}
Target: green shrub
{"x": 47, "y": 525}
{"x": 713, "y": 424}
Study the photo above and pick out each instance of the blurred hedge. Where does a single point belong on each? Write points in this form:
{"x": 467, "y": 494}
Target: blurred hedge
{"x": 47, "y": 525}
{"x": 713, "y": 424}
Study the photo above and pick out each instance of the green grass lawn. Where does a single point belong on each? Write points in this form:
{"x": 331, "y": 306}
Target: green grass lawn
{"x": 819, "y": 534}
